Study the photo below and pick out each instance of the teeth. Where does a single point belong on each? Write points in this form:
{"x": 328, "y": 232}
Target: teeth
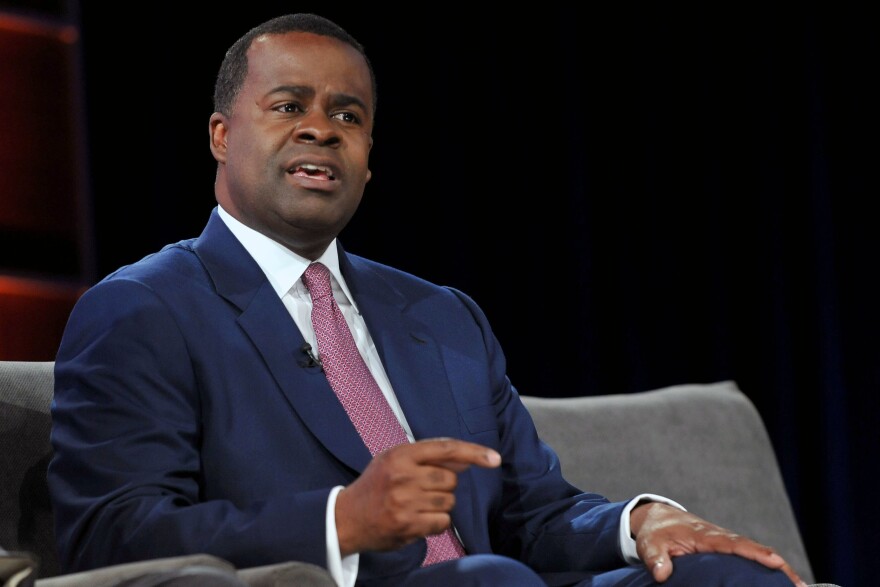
{"x": 310, "y": 167}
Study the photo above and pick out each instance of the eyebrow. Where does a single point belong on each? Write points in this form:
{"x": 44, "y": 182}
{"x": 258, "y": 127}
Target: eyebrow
{"x": 338, "y": 99}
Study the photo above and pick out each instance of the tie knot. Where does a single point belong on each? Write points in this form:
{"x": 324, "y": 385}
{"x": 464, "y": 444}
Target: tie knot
{"x": 317, "y": 280}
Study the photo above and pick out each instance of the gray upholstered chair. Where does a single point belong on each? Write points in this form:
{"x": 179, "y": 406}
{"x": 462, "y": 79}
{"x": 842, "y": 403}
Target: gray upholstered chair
{"x": 703, "y": 445}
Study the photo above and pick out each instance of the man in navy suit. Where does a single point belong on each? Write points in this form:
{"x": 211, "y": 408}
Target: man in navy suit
{"x": 192, "y": 415}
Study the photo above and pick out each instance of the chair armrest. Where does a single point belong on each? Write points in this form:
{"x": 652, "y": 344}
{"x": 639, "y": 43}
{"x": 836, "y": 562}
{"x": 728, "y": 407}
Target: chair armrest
{"x": 109, "y": 576}
{"x": 289, "y": 574}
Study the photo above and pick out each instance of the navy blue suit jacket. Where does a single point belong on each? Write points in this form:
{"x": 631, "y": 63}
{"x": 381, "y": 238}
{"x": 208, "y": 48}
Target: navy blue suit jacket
{"x": 184, "y": 421}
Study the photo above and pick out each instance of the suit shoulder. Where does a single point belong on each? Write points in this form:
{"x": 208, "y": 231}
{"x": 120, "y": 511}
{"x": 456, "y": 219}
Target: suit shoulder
{"x": 175, "y": 259}
{"x": 396, "y": 277}
{"x": 413, "y": 287}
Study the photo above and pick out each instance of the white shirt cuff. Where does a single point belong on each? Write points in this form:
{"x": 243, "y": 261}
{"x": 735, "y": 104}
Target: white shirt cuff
{"x": 343, "y": 570}
{"x": 627, "y": 542}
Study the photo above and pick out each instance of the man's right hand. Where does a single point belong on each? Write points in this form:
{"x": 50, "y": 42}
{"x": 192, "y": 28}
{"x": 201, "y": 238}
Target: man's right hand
{"x": 405, "y": 493}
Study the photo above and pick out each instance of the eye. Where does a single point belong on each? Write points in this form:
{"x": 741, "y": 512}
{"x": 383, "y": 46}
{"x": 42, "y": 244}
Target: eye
{"x": 288, "y": 107}
{"x": 350, "y": 117}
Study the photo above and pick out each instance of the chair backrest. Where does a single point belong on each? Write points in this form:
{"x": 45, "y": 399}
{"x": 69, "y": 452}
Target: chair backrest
{"x": 703, "y": 445}
{"x": 26, "y": 389}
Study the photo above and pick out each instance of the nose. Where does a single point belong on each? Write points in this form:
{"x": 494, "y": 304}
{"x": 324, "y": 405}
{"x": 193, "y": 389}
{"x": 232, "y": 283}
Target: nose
{"x": 316, "y": 127}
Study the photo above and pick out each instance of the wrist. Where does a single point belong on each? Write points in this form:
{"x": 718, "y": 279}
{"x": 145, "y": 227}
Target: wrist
{"x": 638, "y": 515}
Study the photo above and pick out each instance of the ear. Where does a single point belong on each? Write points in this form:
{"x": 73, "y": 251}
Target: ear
{"x": 369, "y": 173}
{"x": 217, "y": 129}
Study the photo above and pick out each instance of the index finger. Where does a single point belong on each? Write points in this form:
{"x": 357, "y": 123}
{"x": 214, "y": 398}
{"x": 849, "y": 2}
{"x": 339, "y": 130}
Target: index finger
{"x": 455, "y": 454}
{"x": 769, "y": 558}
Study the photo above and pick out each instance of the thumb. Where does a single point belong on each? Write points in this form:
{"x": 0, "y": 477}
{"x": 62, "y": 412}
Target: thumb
{"x": 660, "y": 566}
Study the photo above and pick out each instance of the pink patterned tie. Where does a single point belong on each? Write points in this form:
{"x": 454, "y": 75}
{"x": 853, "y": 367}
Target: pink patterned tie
{"x": 358, "y": 391}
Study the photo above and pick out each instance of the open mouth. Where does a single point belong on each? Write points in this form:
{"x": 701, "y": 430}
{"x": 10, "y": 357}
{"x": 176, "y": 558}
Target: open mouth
{"x": 312, "y": 172}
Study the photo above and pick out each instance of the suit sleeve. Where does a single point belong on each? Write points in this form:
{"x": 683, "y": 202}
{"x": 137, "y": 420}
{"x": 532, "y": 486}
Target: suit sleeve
{"x": 538, "y": 517}
{"x": 126, "y": 476}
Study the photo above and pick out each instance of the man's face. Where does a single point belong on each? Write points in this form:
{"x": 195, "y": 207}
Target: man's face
{"x": 293, "y": 153}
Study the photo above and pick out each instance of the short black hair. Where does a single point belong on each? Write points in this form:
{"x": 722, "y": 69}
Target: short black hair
{"x": 234, "y": 67}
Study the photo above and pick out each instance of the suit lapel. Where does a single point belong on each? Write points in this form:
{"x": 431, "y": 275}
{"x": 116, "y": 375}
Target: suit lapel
{"x": 265, "y": 320}
{"x": 415, "y": 367}
{"x": 409, "y": 353}
{"x": 306, "y": 388}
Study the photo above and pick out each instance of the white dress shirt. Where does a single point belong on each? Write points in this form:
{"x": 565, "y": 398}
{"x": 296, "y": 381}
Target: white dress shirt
{"x": 284, "y": 269}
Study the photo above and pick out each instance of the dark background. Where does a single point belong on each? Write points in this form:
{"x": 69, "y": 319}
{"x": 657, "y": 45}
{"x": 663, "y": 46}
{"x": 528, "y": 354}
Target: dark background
{"x": 696, "y": 186}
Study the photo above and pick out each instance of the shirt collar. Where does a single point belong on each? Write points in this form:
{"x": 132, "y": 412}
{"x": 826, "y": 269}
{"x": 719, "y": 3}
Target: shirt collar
{"x": 283, "y": 267}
